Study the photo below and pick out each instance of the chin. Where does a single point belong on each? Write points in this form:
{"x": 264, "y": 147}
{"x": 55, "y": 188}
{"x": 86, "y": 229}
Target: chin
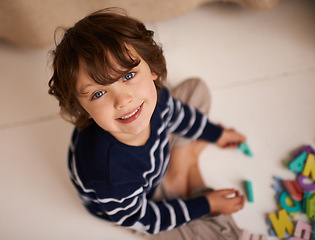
{"x": 139, "y": 128}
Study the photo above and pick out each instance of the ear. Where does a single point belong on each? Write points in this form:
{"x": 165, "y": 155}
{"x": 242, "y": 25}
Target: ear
{"x": 154, "y": 76}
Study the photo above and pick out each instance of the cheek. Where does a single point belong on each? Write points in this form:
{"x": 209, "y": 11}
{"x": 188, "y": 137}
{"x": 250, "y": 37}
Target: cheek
{"x": 93, "y": 111}
{"x": 153, "y": 94}
{"x": 102, "y": 118}
{"x": 100, "y": 111}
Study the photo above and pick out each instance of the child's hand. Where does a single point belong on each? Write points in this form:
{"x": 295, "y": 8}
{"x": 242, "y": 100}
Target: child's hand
{"x": 230, "y": 139}
{"x": 222, "y": 202}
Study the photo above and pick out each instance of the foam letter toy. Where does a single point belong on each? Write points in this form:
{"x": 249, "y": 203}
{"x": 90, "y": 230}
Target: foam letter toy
{"x": 302, "y": 230}
{"x": 243, "y": 147}
{"x": 306, "y": 196}
{"x": 310, "y": 206}
{"x": 246, "y": 235}
{"x": 249, "y": 190}
{"x": 294, "y": 189}
{"x": 296, "y": 206}
{"x": 258, "y": 237}
{"x": 271, "y": 231}
{"x": 279, "y": 188}
{"x": 309, "y": 168}
{"x": 282, "y": 223}
{"x": 305, "y": 186}
{"x": 297, "y": 164}
{"x": 308, "y": 149}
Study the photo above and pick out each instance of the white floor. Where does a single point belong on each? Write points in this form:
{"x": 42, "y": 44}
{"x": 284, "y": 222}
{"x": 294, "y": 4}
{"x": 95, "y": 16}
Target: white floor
{"x": 260, "y": 67}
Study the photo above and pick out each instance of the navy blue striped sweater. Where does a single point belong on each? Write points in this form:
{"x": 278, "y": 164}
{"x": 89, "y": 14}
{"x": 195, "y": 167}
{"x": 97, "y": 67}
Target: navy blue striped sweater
{"x": 116, "y": 182}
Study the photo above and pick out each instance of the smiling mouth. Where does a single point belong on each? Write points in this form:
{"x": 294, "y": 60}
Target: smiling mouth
{"x": 128, "y": 118}
{"x": 131, "y": 114}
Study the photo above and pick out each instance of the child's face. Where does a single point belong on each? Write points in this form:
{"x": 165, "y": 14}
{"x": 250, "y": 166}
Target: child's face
{"x": 123, "y": 108}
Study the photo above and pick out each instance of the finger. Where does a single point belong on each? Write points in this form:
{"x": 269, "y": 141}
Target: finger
{"x": 229, "y": 194}
{"x": 236, "y": 207}
{"x": 238, "y": 137}
{"x": 227, "y": 191}
{"x": 241, "y": 203}
{"x": 221, "y": 125}
{"x": 238, "y": 201}
{"x": 234, "y": 145}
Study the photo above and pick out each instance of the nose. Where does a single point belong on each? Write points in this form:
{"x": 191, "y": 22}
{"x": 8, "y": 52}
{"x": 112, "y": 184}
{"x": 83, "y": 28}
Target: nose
{"x": 122, "y": 97}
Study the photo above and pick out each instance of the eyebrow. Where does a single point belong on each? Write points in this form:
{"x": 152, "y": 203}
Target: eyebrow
{"x": 82, "y": 90}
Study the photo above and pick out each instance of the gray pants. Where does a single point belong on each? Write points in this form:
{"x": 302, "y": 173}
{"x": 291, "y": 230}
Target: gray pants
{"x": 221, "y": 227}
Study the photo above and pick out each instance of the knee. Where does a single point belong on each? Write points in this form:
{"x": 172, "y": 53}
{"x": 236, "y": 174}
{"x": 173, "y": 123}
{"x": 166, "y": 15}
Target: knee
{"x": 259, "y": 4}
{"x": 176, "y": 182}
{"x": 200, "y": 97}
{"x": 176, "y": 177}
{"x": 198, "y": 147}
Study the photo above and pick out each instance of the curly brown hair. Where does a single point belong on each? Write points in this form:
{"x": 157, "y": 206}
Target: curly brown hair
{"x": 97, "y": 40}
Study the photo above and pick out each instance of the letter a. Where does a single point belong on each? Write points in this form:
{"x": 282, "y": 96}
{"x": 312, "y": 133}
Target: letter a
{"x": 298, "y": 163}
{"x": 309, "y": 168}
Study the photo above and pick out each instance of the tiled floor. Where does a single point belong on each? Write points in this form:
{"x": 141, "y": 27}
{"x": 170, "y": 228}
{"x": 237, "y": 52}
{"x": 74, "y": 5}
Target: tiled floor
{"x": 260, "y": 67}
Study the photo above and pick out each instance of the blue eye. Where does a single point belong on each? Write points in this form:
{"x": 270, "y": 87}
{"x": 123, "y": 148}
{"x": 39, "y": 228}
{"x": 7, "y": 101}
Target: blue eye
{"x": 129, "y": 76}
{"x": 98, "y": 94}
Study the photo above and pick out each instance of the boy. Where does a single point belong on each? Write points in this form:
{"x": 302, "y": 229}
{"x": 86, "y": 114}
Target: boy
{"x": 109, "y": 79}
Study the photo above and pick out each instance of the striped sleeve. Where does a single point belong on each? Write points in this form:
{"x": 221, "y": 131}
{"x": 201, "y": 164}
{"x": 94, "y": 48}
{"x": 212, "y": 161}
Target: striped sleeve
{"x": 188, "y": 122}
{"x": 141, "y": 214}
{"x": 132, "y": 208}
